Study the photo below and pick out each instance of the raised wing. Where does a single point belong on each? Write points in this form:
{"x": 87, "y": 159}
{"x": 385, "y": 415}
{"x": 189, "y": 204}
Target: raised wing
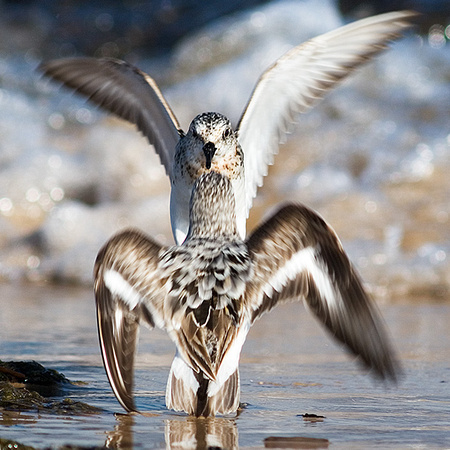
{"x": 124, "y": 90}
{"x": 299, "y": 79}
{"x": 297, "y": 255}
{"x": 124, "y": 280}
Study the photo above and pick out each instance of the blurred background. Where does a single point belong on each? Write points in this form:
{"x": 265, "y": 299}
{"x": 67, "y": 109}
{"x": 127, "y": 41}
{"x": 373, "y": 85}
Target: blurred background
{"x": 373, "y": 158}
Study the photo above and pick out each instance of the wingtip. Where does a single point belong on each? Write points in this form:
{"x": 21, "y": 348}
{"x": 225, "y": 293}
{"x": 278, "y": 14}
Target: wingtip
{"x": 43, "y": 68}
{"x": 49, "y": 69}
{"x": 411, "y": 13}
{"x": 395, "y": 374}
{"x": 47, "y": 66}
{"x": 401, "y": 15}
{"x": 389, "y": 373}
{"x": 126, "y": 400}
{"x": 403, "y": 19}
{"x": 409, "y": 17}
{"x": 129, "y": 405}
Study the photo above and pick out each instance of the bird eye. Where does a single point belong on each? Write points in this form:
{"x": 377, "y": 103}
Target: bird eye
{"x": 227, "y": 133}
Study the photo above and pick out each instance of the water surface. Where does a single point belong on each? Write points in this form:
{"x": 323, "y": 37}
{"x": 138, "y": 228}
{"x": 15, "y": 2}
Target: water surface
{"x": 289, "y": 367}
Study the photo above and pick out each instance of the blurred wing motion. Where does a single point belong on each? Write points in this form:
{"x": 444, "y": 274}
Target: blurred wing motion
{"x": 300, "y": 78}
{"x": 124, "y": 90}
{"x": 297, "y": 255}
{"x": 125, "y": 264}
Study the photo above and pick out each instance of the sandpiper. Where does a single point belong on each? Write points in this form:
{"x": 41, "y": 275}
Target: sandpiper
{"x": 207, "y": 292}
{"x": 293, "y": 84}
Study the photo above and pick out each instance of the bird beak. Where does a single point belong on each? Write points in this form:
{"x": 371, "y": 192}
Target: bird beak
{"x": 209, "y": 149}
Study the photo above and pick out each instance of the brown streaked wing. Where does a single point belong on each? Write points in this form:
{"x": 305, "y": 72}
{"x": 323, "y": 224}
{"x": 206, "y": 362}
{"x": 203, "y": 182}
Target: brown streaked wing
{"x": 124, "y": 90}
{"x": 118, "y": 344}
{"x": 296, "y": 254}
{"x": 125, "y": 282}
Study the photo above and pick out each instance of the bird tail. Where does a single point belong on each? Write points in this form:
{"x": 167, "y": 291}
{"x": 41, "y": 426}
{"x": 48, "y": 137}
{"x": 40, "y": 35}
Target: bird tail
{"x": 197, "y": 395}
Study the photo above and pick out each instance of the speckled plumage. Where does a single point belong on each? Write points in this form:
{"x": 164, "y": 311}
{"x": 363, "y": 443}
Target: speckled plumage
{"x": 208, "y": 291}
{"x": 190, "y": 163}
{"x": 293, "y": 84}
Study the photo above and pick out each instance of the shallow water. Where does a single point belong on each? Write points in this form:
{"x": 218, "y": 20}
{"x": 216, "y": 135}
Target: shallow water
{"x": 289, "y": 367}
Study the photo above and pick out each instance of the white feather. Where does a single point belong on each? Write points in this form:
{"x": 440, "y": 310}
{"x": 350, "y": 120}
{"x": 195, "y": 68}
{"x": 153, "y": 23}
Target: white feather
{"x": 230, "y": 361}
{"x": 117, "y": 285}
{"x": 118, "y": 318}
{"x": 304, "y": 260}
{"x": 182, "y": 371}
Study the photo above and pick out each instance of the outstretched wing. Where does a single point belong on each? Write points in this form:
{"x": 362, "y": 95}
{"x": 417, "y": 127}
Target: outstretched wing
{"x": 124, "y": 90}
{"x": 297, "y": 255}
{"x": 126, "y": 288}
{"x": 299, "y": 79}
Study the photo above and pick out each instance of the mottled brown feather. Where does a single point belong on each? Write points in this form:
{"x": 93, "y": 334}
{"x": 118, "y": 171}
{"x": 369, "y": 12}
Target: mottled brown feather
{"x": 354, "y": 321}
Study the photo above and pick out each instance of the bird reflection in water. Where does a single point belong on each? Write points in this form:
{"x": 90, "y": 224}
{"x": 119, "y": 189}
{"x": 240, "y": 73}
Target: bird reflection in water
{"x": 122, "y": 435}
{"x": 180, "y": 432}
{"x": 201, "y": 433}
